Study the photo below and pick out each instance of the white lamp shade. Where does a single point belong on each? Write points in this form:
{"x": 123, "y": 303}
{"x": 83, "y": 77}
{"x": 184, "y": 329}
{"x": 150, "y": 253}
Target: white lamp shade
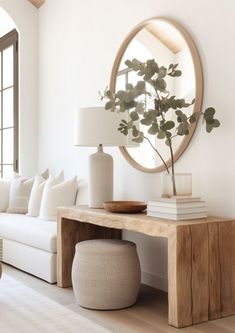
{"x": 95, "y": 125}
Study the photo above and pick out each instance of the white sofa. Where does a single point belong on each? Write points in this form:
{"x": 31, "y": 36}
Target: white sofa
{"x": 30, "y": 244}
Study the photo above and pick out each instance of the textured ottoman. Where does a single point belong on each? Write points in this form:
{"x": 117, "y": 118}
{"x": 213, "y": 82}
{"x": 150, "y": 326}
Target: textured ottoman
{"x": 106, "y": 274}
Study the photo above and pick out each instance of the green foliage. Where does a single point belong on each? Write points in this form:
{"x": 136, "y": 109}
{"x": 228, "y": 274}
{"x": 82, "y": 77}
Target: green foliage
{"x": 149, "y": 103}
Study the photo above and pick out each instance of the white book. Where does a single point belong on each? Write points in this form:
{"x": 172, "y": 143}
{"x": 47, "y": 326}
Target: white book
{"x": 177, "y": 216}
{"x": 175, "y": 200}
{"x": 177, "y": 210}
{"x": 176, "y": 205}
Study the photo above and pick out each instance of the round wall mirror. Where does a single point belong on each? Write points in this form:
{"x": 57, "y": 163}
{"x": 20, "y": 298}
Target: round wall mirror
{"x": 168, "y": 43}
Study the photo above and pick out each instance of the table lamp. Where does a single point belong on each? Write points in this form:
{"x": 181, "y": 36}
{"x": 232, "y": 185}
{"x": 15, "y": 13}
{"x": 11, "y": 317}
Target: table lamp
{"x": 97, "y": 127}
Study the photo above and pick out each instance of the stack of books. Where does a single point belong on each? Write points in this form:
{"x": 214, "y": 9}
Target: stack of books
{"x": 184, "y": 208}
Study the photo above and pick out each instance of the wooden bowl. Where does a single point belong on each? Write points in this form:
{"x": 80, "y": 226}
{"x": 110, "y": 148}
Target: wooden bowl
{"x": 129, "y": 207}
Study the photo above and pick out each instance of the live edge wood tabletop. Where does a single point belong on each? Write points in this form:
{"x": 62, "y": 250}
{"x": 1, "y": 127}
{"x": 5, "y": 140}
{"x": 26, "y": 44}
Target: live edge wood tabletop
{"x": 201, "y": 257}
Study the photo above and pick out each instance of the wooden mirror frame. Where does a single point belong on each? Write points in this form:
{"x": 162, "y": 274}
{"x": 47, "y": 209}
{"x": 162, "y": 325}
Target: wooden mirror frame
{"x": 198, "y": 87}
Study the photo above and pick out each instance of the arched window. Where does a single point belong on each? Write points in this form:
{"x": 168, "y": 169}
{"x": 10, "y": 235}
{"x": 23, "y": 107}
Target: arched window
{"x": 9, "y": 112}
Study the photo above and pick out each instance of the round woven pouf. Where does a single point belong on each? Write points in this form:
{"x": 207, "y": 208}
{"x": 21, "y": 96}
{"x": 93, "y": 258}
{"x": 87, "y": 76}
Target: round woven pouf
{"x": 106, "y": 274}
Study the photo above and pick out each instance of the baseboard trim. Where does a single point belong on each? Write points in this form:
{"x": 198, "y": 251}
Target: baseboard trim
{"x": 154, "y": 281}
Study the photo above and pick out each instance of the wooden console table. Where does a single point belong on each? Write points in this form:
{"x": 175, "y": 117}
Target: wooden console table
{"x": 201, "y": 257}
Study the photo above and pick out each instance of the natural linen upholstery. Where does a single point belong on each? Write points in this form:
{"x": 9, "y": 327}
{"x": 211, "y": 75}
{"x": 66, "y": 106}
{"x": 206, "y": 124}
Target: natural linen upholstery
{"x": 20, "y": 193}
{"x": 4, "y": 194}
{"x": 106, "y": 274}
{"x": 30, "y": 244}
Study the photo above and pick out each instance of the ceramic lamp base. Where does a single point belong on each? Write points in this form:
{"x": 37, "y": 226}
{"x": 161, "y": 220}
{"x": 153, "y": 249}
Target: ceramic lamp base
{"x": 101, "y": 178}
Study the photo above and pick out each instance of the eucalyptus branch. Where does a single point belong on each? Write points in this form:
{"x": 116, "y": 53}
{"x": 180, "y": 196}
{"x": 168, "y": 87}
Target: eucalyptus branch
{"x": 167, "y": 169}
{"x": 172, "y": 167}
{"x": 151, "y": 91}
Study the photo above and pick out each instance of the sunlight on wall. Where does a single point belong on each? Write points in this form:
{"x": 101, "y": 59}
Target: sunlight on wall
{"x": 6, "y": 22}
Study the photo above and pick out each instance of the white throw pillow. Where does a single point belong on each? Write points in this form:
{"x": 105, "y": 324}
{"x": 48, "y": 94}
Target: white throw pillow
{"x": 36, "y": 196}
{"x": 37, "y": 191}
{"x": 4, "y": 194}
{"x": 57, "y": 195}
{"x": 19, "y": 194}
{"x": 45, "y": 174}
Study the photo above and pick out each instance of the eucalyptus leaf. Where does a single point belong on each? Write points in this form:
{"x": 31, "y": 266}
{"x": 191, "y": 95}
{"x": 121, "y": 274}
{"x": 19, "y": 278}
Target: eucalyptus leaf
{"x": 129, "y": 105}
{"x": 128, "y": 63}
{"x": 140, "y": 108}
{"x": 109, "y": 105}
{"x": 168, "y": 134}
{"x": 146, "y": 121}
{"x": 162, "y": 72}
{"x": 129, "y": 96}
{"x": 182, "y": 129}
{"x": 135, "y": 132}
{"x": 129, "y": 86}
{"x": 161, "y": 134}
{"x": 109, "y": 94}
{"x": 216, "y": 123}
{"x": 209, "y": 128}
{"x": 134, "y": 115}
{"x": 140, "y": 138}
{"x": 176, "y": 73}
{"x": 210, "y": 121}
{"x": 123, "y": 130}
{"x": 129, "y": 124}
{"x": 160, "y": 84}
{"x": 120, "y": 94}
{"x": 150, "y": 103}
{"x": 168, "y": 125}
{"x": 209, "y": 112}
{"x": 192, "y": 119}
{"x": 182, "y": 117}
{"x": 153, "y": 129}
{"x": 178, "y": 112}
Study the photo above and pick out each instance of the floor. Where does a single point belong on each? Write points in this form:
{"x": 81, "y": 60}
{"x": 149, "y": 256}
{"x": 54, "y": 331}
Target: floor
{"x": 147, "y": 316}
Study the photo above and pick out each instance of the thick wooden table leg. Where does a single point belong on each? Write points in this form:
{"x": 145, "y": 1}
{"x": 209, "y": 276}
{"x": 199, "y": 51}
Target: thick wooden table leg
{"x": 201, "y": 273}
{"x": 70, "y": 232}
{"x": 179, "y": 278}
{"x": 188, "y": 274}
{"x": 227, "y": 267}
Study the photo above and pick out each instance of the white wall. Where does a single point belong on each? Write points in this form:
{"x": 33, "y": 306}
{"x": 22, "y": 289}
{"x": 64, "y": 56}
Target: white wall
{"x": 25, "y": 17}
{"x": 78, "y": 41}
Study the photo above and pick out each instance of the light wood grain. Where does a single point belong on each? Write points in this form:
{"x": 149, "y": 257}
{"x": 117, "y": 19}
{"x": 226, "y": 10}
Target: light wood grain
{"x": 233, "y": 266}
{"x": 214, "y": 272}
{"x": 179, "y": 278}
{"x": 200, "y": 269}
{"x": 226, "y": 263}
{"x": 201, "y": 257}
{"x": 136, "y": 222}
{"x": 70, "y": 232}
{"x": 37, "y": 3}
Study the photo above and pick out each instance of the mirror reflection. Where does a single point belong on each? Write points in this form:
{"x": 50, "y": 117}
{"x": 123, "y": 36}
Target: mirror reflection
{"x": 163, "y": 41}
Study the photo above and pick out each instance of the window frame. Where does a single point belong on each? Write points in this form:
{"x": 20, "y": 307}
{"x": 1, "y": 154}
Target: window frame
{"x": 11, "y": 39}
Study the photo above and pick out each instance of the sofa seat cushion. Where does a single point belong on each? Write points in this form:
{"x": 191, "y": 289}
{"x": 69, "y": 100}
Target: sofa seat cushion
{"x": 30, "y": 231}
